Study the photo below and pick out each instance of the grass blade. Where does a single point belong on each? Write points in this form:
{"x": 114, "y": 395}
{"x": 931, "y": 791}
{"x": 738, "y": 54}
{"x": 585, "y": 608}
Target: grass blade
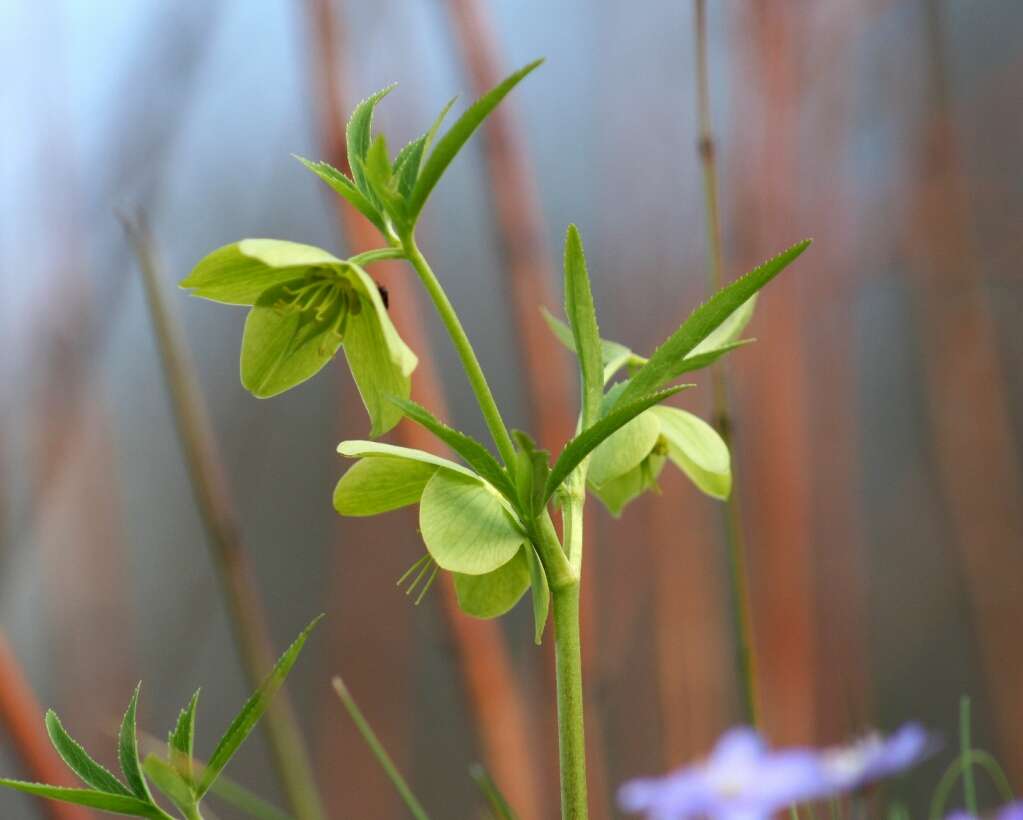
{"x": 498, "y": 804}
{"x": 379, "y": 752}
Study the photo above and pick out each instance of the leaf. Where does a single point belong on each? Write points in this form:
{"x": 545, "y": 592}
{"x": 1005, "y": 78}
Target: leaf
{"x": 494, "y": 593}
{"x": 380, "y": 177}
{"x": 697, "y": 449}
{"x": 541, "y": 592}
{"x": 531, "y": 473}
{"x": 283, "y": 346}
{"x": 582, "y": 317}
{"x": 368, "y": 449}
{"x": 381, "y": 484}
{"x": 475, "y": 454}
{"x": 380, "y": 361}
{"x": 358, "y": 134}
{"x": 665, "y": 362}
{"x": 498, "y": 804}
{"x": 252, "y": 711}
{"x": 343, "y": 186}
{"x": 588, "y": 440}
{"x": 698, "y": 361}
{"x": 79, "y": 761}
{"x": 729, "y": 330}
{"x": 407, "y": 168}
{"x": 614, "y": 355}
{"x": 240, "y": 273}
{"x": 466, "y": 526}
{"x": 128, "y": 751}
{"x": 181, "y": 742}
{"x": 167, "y": 779}
{"x": 451, "y": 143}
{"x": 114, "y": 803}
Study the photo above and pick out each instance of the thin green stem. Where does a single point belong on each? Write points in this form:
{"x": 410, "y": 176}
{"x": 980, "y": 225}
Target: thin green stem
{"x": 484, "y": 397}
{"x": 193, "y": 813}
{"x": 379, "y": 752}
{"x": 227, "y": 552}
{"x": 742, "y": 618}
{"x": 376, "y": 255}
{"x": 966, "y": 755}
{"x": 981, "y": 758}
{"x": 571, "y": 733}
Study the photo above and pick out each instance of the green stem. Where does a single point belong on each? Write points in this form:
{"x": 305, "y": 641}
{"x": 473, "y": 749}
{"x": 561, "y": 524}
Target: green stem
{"x": 966, "y": 755}
{"x": 376, "y": 255}
{"x": 379, "y": 752}
{"x": 484, "y": 397}
{"x": 193, "y": 814}
{"x": 571, "y": 735}
{"x": 742, "y": 618}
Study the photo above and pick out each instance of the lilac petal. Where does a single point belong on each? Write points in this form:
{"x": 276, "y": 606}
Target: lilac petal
{"x": 740, "y": 744}
{"x": 1013, "y": 811}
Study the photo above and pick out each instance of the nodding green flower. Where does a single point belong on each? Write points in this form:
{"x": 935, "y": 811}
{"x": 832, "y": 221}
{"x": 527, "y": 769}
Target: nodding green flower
{"x": 307, "y": 303}
{"x": 629, "y": 461}
{"x": 468, "y": 526}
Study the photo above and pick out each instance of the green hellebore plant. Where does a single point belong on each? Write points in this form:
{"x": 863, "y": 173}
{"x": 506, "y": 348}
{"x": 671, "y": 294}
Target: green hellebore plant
{"x": 306, "y": 303}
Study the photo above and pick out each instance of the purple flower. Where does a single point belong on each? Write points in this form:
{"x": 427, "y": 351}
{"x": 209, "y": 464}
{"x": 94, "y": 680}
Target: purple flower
{"x": 1011, "y": 811}
{"x": 741, "y": 780}
{"x": 875, "y": 757}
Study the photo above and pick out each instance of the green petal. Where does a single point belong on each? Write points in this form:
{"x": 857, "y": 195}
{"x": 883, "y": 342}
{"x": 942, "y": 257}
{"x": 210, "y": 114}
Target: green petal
{"x": 624, "y": 449}
{"x": 381, "y": 362}
{"x": 238, "y": 274}
{"x": 494, "y": 593}
{"x": 381, "y": 484}
{"x": 697, "y": 449}
{"x": 363, "y": 449}
{"x": 466, "y": 524}
{"x": 728, "y": 331}
{"x": 616, "y": 494}
{"x": 281, "y": 349}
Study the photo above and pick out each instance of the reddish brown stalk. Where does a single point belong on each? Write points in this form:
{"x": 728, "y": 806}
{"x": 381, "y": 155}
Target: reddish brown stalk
{"x": 500, "y": 716}
{"x": 774, "y": 448}
{"x": 973, "y": 437}
{"x": 22, "y": 719}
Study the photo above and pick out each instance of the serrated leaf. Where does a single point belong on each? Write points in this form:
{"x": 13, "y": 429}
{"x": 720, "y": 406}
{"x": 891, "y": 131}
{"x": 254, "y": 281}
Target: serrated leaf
{"x": 588, "y": 440}
{"x": 541, "y": 592}
{"x": 346, "y": 188}
{"x": 238, "y": 274}
{"x": 251, "y": 712}
{"x": 113, "y": 803}
{"x": 451, "y": 143}
{"x": 381, "y": 484}
{"x": 494, "y": 593}
{"x": 697, "y": 449}
{"x": 406, "y": 168}
{"x": 358, "y": 135}
{"x": 167, "y": 779}
{"x": 729, "y": 330}
{"x": 79, "y": 761}
{"x": 475, "y": 454}
{"x": 128, "y": 751}
{"x": 665, "y": 362}
{"x": 466, "y": 524}
{"x": 582, "y": 318}
{"x": 380, "y": 177}
{"x": 615, "y": 356}
{"x": 181, "y": 742}
{"x": 281, "y": 348}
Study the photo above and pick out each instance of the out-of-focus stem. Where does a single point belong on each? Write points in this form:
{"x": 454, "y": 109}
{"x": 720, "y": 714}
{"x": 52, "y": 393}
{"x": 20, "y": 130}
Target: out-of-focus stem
{"x": 227, "y": 552}
{"x": 21, "y": 716}
{"x": 742, "y": 611}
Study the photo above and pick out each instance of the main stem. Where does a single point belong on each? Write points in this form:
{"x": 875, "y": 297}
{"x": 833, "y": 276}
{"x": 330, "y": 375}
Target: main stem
{"x": 742, "y": 619}
{"x": 484, "y": 397}
{"x": 562, "y": 571}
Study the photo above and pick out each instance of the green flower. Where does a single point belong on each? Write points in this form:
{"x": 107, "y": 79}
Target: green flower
{"x": 629, "y": 461}
{"x": 306, "y": 303}
{"x": 470, "y": 529}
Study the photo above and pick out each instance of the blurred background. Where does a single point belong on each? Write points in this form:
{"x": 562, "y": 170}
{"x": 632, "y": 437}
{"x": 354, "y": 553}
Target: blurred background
{"x": 877, "y": 420}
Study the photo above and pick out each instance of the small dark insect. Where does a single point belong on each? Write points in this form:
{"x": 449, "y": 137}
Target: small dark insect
{"x": 383, "y": 296}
